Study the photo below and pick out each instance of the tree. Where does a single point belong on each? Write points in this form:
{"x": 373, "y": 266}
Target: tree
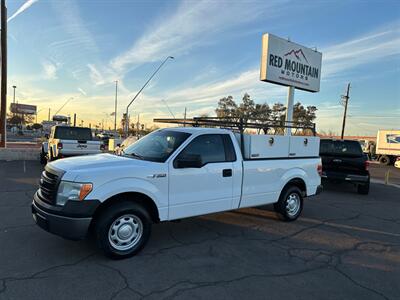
{"x": 19, "y": 119}
{"x": 263, "y": 114}
{"x": 246, "y": 109}
{"x": 227, "y": 108}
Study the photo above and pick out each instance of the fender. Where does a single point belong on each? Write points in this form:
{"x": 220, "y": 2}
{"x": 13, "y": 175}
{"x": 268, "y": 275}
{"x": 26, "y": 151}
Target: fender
{"x": 294, "y": 173}
{"x": 132, "y": 184}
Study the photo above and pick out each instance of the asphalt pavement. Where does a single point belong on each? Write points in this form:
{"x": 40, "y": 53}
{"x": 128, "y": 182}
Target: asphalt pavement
{"x": 345, "y": 246}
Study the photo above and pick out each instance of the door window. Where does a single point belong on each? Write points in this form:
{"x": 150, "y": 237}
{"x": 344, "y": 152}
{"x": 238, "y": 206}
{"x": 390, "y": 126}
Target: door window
{"x": 210, "y": 148}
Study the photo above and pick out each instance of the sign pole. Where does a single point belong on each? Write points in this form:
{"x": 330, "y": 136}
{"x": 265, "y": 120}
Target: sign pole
{"x": 3, "y": 116}
{"x": 289, "y": 110}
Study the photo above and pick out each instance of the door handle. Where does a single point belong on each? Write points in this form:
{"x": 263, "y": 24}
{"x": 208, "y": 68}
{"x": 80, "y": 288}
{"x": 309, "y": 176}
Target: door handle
{"x": 337, "y": 160}
{"x": 227, "y": 173}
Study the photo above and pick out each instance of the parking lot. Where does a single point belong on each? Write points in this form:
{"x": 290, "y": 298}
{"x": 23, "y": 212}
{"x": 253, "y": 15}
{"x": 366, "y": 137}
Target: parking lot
{"x": 345, "y": 246}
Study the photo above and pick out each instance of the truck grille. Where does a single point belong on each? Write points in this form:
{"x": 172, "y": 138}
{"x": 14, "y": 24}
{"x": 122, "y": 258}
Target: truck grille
{"x": 48, "y": 187}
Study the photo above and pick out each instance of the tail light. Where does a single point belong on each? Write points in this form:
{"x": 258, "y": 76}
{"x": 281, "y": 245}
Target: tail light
{"x": 366, "y": 165}
{"x": 59, "y": 146}
{"x": 319, "y": 169}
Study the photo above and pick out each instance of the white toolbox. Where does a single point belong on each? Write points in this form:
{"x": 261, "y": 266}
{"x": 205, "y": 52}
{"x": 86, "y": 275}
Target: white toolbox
{"x": 304, "y": 146}
{"x": 278, "y": 146}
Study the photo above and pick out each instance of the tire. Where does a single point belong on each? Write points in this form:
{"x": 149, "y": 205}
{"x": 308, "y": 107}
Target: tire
{"x": 43, "y": 159}
{"x": 384, "y": 160}
{"x": 50, "y": 155}
{"x": 290, "y": 211}
{"x": 122, "y": 230}
{"x": 363, "y": 189}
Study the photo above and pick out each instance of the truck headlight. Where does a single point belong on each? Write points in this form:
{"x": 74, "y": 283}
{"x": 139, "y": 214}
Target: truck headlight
{"x": 74, "y": 191}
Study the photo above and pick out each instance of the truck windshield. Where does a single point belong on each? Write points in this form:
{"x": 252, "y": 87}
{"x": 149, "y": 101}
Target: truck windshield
{"x": 73, "y": 133}
{"x": 156, "y": 146}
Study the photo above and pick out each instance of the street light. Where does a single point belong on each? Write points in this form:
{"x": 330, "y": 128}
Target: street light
{"x": 14, "y": 87}
{"x": 134, "y": 98}
{"x": 115, "y": 108}
{"x": 37, "y": 113}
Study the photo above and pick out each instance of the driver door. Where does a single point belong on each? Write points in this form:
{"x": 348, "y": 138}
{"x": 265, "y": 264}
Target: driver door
{"x": 207, "y": 187}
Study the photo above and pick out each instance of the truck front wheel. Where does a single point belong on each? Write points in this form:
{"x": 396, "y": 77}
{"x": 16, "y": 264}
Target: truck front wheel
{"x": 290, "y": 203}
{"x": 123, "y": 229}
{"x": 384, "y": 160}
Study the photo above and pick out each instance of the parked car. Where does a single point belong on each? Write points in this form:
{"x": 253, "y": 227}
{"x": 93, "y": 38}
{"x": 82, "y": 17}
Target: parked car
{"x": 65, "y": 141}
{"x": 344, "y": 160}
{"x": 119, "y": 150}
{"x": 172, "y": 174}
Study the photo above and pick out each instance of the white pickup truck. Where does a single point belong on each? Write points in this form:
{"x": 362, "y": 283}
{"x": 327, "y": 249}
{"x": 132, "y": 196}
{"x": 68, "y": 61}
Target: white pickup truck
{"x": 65, "y": 141}
{"x": 170, "y": 174}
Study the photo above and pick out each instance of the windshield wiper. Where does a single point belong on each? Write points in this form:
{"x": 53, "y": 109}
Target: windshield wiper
{"x": 135, "y": 155}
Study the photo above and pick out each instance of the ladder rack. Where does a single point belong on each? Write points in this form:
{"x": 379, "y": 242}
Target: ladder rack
{"x": 241, "y": 124}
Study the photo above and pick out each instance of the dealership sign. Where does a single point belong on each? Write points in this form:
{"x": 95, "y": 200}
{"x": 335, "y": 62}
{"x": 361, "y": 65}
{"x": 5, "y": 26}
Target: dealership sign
{"x": 27, "y": 109}
{"x": 290, "y": 64}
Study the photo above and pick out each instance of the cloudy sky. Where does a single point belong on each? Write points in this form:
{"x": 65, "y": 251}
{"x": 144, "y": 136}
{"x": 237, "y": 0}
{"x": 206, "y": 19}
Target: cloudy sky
{"x": 63, "y": 49}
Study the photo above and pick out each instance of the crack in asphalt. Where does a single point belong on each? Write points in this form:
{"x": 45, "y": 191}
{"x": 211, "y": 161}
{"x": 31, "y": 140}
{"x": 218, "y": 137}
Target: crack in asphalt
{"x": 125, "y": 280}
{"x": 35, "y": 275}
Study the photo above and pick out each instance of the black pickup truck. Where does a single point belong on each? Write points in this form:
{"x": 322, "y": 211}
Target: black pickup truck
{"x": 344, "y": 160}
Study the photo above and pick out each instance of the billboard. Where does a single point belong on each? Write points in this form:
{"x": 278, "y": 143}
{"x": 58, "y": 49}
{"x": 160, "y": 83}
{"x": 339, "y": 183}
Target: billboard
{"x": 290, "y": 64}
{"x": 26, "y": 109}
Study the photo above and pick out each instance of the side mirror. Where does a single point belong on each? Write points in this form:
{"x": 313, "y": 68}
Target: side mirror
{"x": 188, "y": 161}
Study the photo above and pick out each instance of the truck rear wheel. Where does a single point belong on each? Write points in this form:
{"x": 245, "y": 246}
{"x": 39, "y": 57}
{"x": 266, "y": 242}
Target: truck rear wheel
{"x": 123, "y": 229}
{"x": 290, "y": 203}
{"x": 363, "y": 189}
{"x": 384, "y": 160}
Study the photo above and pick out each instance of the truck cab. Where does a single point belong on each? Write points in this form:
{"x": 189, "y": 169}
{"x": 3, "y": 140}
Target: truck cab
{"x": 170, "y": 174}
{"x": 66, "y": 141}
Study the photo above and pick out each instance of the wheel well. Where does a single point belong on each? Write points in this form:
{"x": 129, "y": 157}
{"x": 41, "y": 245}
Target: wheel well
{"x": 298, "y": 182}
{"x": 140, "y": 198}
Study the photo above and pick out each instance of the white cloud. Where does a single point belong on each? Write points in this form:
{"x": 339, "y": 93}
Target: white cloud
{"x": 82, "y": 91}
{"x": 193, "y": 24}
{"x": 50, "y": 70}
{"x": 20, "y": 10}
{"x": 362, "y": 50}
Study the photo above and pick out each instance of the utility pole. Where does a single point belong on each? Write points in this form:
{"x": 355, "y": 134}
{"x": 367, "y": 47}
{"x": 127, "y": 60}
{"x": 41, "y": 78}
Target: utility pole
{"x": 345, "y": 99}
{"x": 184, "y": 117}
{"x": 115, "y": 109}
{"x": 74, "y": 120}
{"x": 141, "y": 89}
{"x": 3, "y": 106}
{"x": 14, "y": 87}
{"x": 138, "y": 125}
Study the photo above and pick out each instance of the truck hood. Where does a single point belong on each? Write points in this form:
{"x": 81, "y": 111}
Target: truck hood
{"x": 91, "y": 166}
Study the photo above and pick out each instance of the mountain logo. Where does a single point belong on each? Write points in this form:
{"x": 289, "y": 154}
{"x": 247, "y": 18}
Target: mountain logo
{"x": 297, "y": 54}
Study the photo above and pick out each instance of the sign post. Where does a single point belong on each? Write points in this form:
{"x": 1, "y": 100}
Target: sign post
{"x": 289, "y": 109}
{"x": 286, "y": 63}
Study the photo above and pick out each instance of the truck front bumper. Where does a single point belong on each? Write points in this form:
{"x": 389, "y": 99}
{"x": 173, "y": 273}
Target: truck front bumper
{"x": 73, "y": 227}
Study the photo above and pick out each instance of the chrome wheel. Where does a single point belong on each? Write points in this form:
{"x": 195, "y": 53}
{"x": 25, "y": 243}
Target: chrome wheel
{"x": 293, "y": 204}
{"x": 125, "y": 232}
